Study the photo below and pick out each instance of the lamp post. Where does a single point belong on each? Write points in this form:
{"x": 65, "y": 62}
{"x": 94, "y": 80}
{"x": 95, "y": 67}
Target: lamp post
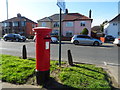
{"x": 7, "y": 14}
{"x": 7, "y": 8}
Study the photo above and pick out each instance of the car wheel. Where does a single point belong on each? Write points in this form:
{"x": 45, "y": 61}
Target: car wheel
{"x": 96, "y": 43}
{"x": 118, "y": 45}
{"x": 76, "y": 42}
{"x": 24, "y": 40}
{"x": 5, "y": 39}
{"x": 17, "y": 40}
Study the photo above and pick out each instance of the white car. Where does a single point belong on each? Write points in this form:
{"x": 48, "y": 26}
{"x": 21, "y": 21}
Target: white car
{"x": 117, "y": 42}
{"x": 53, "y": 39}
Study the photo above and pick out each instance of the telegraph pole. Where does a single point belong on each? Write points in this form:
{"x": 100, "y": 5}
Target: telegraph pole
{"x": 7, "y": 31}
{"x": 7, "y": 8}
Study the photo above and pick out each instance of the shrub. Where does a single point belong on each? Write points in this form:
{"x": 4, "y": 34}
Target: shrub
{"x": 85, "y": 31}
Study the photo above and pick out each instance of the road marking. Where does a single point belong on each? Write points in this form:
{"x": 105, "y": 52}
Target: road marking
{"x": 3, "y": 48}
{"x": 8, "y": 49}
{"x": 93, "y": 47}
{"x": 113, "y": 64}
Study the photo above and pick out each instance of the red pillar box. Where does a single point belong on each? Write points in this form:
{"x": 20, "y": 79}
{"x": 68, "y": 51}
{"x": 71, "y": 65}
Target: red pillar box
{"x": 42, "y": 54}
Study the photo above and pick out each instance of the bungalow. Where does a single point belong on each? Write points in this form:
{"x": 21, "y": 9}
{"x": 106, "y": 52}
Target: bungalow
{"x": 72, "y": 23}
{"x": 113, "y": 27}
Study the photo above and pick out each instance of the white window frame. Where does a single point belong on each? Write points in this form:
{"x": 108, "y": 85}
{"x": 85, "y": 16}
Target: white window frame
{"x": 56, "y": 24}
{"x": 69, "y": 24}
{"x": 43, "y": 24}
{"x": 82, "y": 23}
{"x": 23, "y": 23}
{"x": 69, "y": 33}
{"x": 15, "y": 24}
{"x": 114, "y": 24}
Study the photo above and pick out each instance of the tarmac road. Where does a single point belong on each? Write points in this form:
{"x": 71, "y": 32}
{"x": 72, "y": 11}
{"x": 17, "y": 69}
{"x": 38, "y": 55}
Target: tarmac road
{"x": 106, "y": 55}
{"x": 85, "y": 54}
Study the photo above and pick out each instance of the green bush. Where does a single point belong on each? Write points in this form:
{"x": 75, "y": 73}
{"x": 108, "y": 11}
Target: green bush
{"x": 85, "y": 31}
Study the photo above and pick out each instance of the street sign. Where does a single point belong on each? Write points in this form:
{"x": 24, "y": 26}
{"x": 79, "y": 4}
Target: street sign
{"x": 61, "y": 5}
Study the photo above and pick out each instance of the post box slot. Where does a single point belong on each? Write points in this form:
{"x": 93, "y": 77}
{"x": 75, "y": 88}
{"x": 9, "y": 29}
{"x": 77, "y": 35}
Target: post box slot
{"x": 47, "y": 38}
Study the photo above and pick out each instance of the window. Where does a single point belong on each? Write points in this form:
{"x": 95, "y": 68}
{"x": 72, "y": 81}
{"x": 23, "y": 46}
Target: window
{"x": 87, "y": 37}
{"x": 118, "y": 33}
{"x": 69, "y": 33}
{"x": 82, "y": 23}
{"x": 6, "y": 24}
{"x": 33, "y": 25}
{"x": 69, "y": 24}
{"x": 44, "y": 24}
{"x": 23, "y": 23}
{"x": 114, "y": 24}
{"x": 80, "y": 36}
{"x": 15, "y": 23}
{"x": 55, "y": 32}
{"x": 56, "y": 24}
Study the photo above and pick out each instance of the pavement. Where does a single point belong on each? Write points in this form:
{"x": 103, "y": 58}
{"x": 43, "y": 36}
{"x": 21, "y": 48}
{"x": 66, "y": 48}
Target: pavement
{"x": 113, "y": 71}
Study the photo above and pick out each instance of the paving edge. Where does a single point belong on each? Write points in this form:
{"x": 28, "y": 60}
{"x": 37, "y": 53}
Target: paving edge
{"x": 112, "y": 78}
{"x": 114, "y": 82}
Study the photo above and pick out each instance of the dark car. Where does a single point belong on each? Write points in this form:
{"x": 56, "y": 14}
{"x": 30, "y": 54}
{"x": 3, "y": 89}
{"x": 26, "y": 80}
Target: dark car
{"x": 14, "y": 37}
{"x": 109, "y": 38}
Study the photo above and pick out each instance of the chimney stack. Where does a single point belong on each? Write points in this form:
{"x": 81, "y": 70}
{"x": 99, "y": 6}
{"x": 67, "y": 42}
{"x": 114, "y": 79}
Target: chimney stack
{"x": 90, "y": 13}
{"x": 18, "y": 15}
{"x": 66, "y": 11}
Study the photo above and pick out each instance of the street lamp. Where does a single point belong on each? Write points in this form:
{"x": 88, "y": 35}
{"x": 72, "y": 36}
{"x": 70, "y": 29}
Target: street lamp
{"x": 7, "y": 8}
{"x": 7, "y": 15}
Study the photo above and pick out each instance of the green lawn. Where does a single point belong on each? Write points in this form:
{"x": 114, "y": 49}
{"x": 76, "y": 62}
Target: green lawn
{"x": 84, "y": 76}
{"x": 16, "y": 70}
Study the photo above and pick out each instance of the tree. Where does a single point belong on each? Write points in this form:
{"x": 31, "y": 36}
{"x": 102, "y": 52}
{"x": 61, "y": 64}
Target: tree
{"x": 103, "y": 24}
{"x": 85, "y": 31}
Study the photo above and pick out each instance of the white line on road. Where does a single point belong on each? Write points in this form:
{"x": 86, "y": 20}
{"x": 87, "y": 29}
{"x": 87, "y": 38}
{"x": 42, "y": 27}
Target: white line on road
{"x": 3, "y": 48}
{"x": 93, "y": 47}
{"x": 113, "y": 64}
{"x": 7, "y": 49}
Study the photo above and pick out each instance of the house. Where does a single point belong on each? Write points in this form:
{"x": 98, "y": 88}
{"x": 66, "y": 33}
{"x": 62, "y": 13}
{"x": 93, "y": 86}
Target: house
{"x": 72, "y": 23}
{"x": 113, "y": 27}
{"x": 20, "y": 25}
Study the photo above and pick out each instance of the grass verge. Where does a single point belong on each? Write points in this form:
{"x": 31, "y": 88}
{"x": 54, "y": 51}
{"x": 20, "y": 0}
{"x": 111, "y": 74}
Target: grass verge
{"x": 16, "y": 70}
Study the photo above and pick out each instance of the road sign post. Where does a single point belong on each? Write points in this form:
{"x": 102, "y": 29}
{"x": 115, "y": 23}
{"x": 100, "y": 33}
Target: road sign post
{"x": 61, "y": 5}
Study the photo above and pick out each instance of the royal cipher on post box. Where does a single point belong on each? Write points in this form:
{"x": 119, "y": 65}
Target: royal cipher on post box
{"x": 42, "y": 54}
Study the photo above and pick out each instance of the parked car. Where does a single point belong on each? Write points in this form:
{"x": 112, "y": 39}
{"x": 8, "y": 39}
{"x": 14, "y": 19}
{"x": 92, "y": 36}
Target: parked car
{"x": 14, "y": 37}
{"x": 53, "y": 39}
{"x": 109, "y": 38}
{"x": 117, "y": 42}
{"x": 85, "y": 40}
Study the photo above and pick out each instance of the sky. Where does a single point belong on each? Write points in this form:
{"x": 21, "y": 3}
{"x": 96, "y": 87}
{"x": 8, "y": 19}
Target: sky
{"x": 37, "y": 9}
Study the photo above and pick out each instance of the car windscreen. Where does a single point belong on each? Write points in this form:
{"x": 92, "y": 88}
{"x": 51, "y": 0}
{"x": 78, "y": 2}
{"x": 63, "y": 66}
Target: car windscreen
{"x": 10, "y": 35}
